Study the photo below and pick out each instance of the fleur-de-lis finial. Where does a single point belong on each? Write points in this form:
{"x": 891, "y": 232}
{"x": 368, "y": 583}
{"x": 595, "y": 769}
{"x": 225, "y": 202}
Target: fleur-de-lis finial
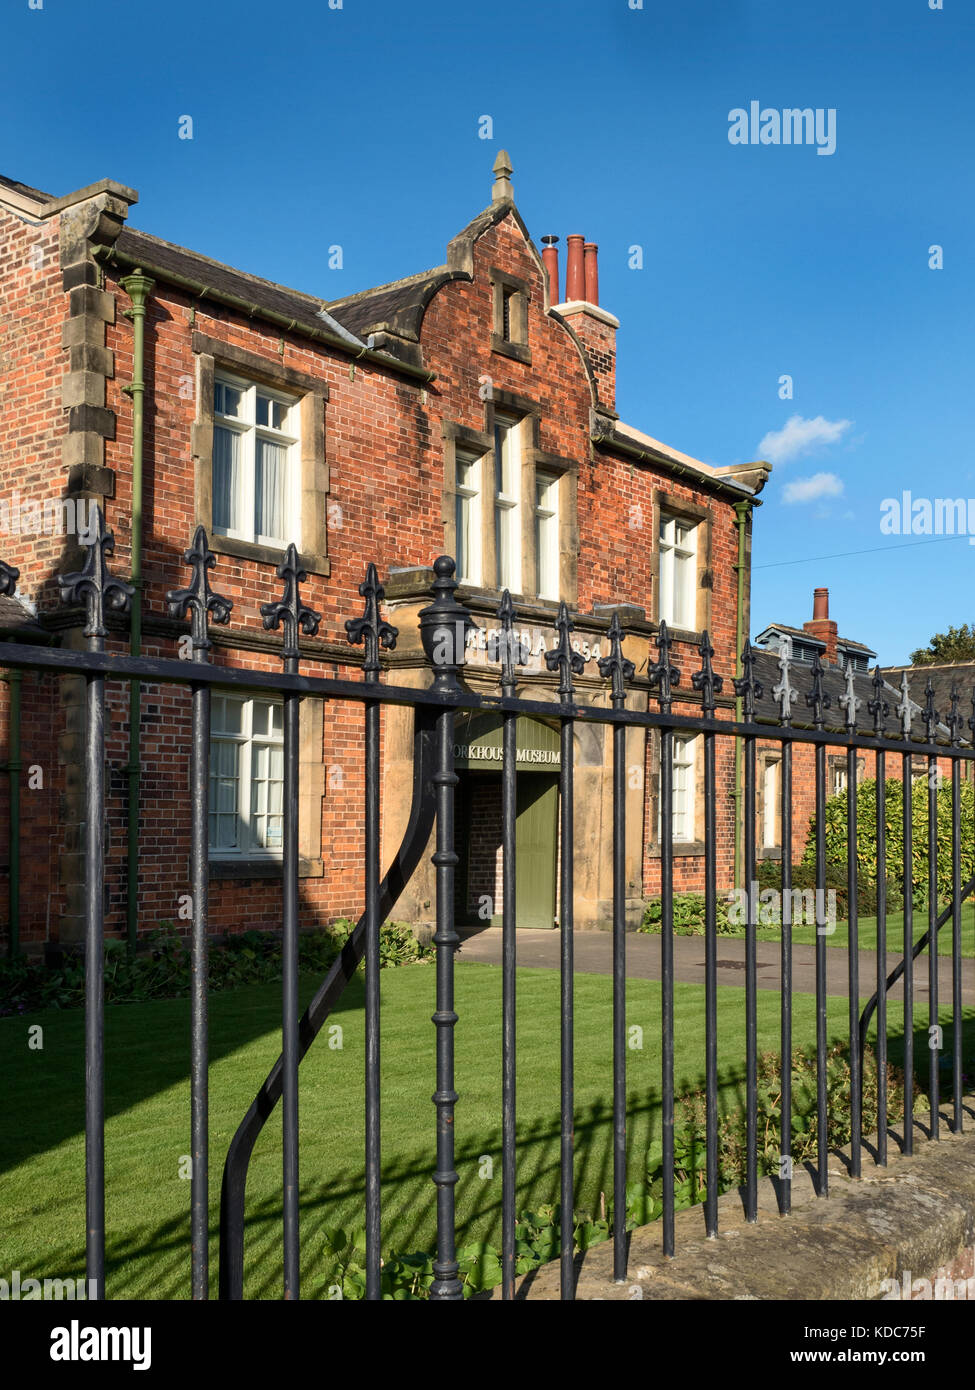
{"x": 505, "y": 647}
{"x": 746, "y": 686}
{"x": 905, "y": 707}
{"x": 705, "y": 680}
{"x": 929, "y": 714}
{"x": 94, "y": 584}
{"x": 289, "y": 612}
{"x": 616, "y": 666}
{"x": 9, "y": 574}
{"x": 783, "y": 692}
{"x": 818, "y": 699}
{"x": 878, "y": 708}
{"x": 562, "y": 658}
{"x": 953, "y": 718}
{"x": 849, "y": 700}
{"x": 198, "y": 597}
{"x": 662, "y": 673}
{"x": 372, "y": 630}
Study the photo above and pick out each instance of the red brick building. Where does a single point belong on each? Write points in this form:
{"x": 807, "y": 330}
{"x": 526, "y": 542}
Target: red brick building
{"x": 819, "y": 635}
{"x": 469, "y": 410}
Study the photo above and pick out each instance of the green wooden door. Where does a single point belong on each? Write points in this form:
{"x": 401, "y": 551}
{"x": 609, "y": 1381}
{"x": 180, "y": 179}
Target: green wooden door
{"x": 537, "y": 825}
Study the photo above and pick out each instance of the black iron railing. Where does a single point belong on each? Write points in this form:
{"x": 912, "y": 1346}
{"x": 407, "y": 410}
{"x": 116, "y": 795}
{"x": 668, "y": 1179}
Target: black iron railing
{"x": 444, "y": 624}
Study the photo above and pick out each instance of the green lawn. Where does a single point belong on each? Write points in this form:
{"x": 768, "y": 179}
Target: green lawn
{"x": 147, "y": 1095}
{"x": 806, "y": 933}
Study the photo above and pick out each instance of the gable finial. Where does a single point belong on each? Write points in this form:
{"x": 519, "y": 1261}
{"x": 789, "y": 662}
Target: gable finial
{"x": 502, "y": 190}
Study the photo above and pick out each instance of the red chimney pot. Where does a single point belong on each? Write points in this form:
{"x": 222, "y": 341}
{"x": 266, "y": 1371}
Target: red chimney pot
{"x": 592, "y": 272}
{"x": 575, "y": 275}
{"x": 550, "y": 257}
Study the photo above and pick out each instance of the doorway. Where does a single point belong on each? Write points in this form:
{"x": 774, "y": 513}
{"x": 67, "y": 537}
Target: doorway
{"x": 480, "y": 878}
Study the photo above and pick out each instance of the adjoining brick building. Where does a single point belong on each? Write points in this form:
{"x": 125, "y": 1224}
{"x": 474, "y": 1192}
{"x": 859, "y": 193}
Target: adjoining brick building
{"x": 467, "y": 410}
{"x": 820, "y": 636}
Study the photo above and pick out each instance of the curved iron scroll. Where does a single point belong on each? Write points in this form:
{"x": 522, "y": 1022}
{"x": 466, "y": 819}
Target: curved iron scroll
{"x": 415, "y": 839}
{"x": 898, "y": 970}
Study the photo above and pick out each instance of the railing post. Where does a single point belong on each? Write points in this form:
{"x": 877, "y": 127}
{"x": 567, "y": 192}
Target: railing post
{"x": 98, "y": 589}
{"x": 373, "y": 633}
{"x": 443, "y": 631}
{"x": 619, "y": 670}
{"x": 568, "y": 663}
{"x": 294, "y": 617}
{"x": 201, "y": 602}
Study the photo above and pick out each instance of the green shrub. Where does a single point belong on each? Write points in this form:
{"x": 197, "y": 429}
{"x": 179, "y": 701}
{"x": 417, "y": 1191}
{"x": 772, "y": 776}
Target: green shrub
{"x": 690, "y": 1129}
{"x": 689, "y": 910}
{"x": 162, "y": 969}
{"x": 835, "y": 822}
{"x": 769, "y": 875}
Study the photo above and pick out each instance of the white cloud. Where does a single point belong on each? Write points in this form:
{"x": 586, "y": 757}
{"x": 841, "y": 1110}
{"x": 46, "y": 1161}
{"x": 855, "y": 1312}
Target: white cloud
{"x": 799, "y": 436}
{"x": 811, "y": 489}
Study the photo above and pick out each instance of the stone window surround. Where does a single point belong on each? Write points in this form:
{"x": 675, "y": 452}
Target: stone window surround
{"x": 703, "y": 518}
{"x": 212, "y": 355}
{"x": 679, "y": 848}
{"x": 763, "y": 851}
{"x": 517, "y": 345}
{"x": 481, "y": 442}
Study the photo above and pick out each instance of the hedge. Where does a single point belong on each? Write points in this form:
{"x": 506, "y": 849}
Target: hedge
{"x": 835, "y": 819}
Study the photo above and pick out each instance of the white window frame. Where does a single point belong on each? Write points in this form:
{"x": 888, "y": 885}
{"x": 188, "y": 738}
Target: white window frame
{"x": 683, "y": 785}
{"x": 245, "y": 426}
{"x": 684, "y": 761}
{"x": 246, "y": 741}
{"x": 677, "y": 605}
{"x": 546, "y": 534}
{"x": 839, "y": 779}
{"x": 507, "y": 501}
{"x": 468, "y": 499}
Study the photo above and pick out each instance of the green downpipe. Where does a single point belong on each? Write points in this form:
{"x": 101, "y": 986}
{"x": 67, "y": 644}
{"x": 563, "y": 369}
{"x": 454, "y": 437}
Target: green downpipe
{"x": 138, "y": 287}
{"x": 742, "y": 512}
{"x": 14, "y": 679}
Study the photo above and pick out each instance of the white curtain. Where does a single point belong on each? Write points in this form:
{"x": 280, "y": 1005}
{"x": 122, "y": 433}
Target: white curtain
{"x": 226, "y": 479}
{"x": 269, "y": 517}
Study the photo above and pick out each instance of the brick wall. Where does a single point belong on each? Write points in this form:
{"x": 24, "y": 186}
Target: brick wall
{"x": 384, "y": 447}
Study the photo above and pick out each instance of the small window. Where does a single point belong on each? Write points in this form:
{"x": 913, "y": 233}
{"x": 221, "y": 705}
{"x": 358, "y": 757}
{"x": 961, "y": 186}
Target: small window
{"x": 467, "y": 490}
{"x": 507, "y": 512}
{"x": 254, "y": 468}
{"x": 839, "y": 780}
{"x": 683, "y": 792}
{"x": 678, "y": 572}
{"x": 246, "y": 778}
{"x": 507, "y": 306}
{"x": 510, "y": 330}
{"x": 546, "y": 535}
{"x": 770, "y": 805}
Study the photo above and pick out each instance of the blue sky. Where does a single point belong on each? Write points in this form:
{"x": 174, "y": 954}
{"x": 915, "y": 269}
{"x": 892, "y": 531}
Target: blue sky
{"x": 358, "y": 126}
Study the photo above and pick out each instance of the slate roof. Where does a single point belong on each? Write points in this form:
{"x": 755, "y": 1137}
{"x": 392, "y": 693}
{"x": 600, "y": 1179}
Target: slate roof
{"x": 262, "y": 294}
{"x": 834, "y": 684}
{"x": 960, "y": 674}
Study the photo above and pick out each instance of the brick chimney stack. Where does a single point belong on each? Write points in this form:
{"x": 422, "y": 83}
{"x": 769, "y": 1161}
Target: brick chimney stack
{"x": 822, "y": 626}
{"x": 596, "y": 328}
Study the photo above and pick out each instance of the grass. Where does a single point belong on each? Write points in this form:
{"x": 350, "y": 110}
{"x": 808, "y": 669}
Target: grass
{"x": 147, "y": 1110}
{"x": 805, "y": 934}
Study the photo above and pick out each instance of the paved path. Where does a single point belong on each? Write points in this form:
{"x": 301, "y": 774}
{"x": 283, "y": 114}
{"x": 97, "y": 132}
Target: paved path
{"x": 593, "y": 956}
